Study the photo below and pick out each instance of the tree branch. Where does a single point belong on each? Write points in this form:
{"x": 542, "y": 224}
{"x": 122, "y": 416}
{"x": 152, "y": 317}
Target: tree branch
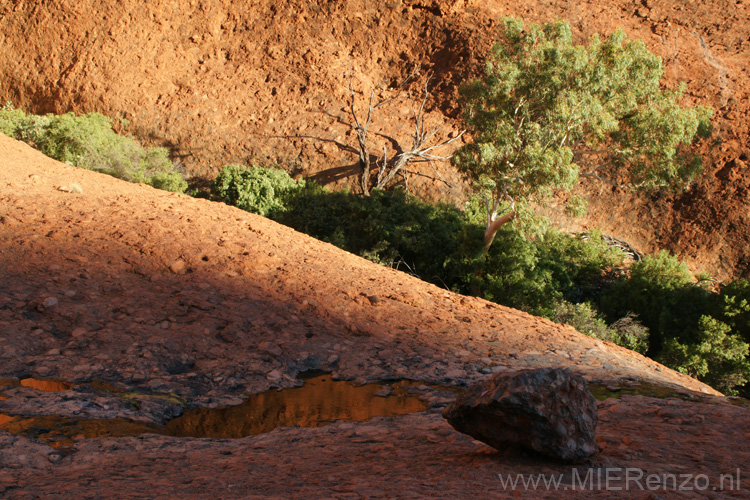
{"x": 388, "y": 169}
{"x": 595, "y": 175}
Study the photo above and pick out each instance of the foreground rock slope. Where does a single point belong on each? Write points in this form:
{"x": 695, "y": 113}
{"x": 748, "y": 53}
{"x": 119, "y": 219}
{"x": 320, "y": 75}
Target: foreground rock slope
{"x": 124, "y": 282}
{"x": 155, "y": 292}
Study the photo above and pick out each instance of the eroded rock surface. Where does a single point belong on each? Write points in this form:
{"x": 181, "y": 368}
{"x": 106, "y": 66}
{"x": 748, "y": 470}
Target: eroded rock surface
{"x": 86, "y": 403}
{"x": 256, "y": 304}
{"x": 547, "y": 410}
{"x": 266, "y": 81}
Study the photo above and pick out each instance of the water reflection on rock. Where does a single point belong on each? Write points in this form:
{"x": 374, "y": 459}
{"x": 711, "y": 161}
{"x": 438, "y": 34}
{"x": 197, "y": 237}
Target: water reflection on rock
{"x": 46, "y": 385}
{"x": 320, "y": 401}
{"x": 60, "y": 431}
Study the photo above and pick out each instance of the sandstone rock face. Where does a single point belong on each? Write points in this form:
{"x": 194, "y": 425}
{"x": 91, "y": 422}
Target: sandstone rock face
{"x": 548, "y": 410}
{"x": 267, "y": 81}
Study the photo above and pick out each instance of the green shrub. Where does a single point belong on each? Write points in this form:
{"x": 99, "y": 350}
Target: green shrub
{"x": 11, "y": 120}
{"x": 88, "y": 141}
{"x": 733, "y": 307}
{"x": 718, "y": 358}
{"x": 626, "y": 332}
{"x": 157, "y": 170}
{"x": 536, "y": 274}
{"x": 692, "y": 330}
{"x": 258, "y": 190}
{"x": 664, "y": 296}
{"x": 439, "y": 244}
{"x": 390, "y": 228}
{"x": 631, "y": 334}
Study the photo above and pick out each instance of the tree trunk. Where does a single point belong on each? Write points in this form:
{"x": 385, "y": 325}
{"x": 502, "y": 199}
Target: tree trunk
{"x": 402, "y": 160}
{"x": 493, "y": 228}
{"x": 364, "y": 162}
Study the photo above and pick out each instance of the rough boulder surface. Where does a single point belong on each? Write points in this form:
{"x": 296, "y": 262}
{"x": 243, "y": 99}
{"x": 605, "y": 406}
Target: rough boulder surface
{"x": 548, "y": 410}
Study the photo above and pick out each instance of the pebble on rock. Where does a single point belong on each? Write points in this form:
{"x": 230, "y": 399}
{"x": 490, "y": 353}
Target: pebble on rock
{"x": 274, "y": 376}
{"x": 47, "y": 303}
{"x": 178, "y": 266}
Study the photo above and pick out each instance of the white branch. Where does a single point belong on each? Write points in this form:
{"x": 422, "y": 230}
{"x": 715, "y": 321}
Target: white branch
{"x": 388, "y": 169}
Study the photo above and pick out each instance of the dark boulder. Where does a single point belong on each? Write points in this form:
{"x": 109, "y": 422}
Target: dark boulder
{"x": 547, "y": 410}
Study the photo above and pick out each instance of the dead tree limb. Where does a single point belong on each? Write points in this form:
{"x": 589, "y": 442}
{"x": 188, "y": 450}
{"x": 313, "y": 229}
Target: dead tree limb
{"x": 389, "y": 168}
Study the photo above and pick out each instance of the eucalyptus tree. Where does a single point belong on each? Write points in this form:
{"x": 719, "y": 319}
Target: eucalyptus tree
{"x": 548, "y": 112}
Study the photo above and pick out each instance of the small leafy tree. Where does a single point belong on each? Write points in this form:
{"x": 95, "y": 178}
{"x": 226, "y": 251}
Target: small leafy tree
{"x": 259, "y": 190}
{"x": 719, "y": 358}
{"x": 547, "y": 112}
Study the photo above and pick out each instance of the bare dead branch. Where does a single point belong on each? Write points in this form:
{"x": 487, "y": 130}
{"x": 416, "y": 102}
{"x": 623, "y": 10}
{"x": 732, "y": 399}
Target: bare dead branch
{"x": 389, "y": 168}
{"x": 383, "y": 165}
{"x": 432, "y": 165}
{"x": 405, "y": 175}
{"x": 361, "y": 130}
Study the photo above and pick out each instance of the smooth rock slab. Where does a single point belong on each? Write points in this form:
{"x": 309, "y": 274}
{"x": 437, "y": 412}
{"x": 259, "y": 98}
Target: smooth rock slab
{"x": 547, "y": 410}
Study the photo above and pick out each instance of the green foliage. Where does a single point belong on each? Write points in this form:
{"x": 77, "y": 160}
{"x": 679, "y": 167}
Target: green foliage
{"x": 17, "y": 124}
{"x": 11, "y": 120}
{"x": 662, "y": 292}
{"x": 81, "y": 140}
{"x": 154, "y": 168}
{"x": 733, "y": 307}
{"x": 576, "y": 206}
{"x": 390, "y": 228}
{"x": 88, "y": 141}
{"x": 547, "y": 109}
{"x": 693, "y": 330}
{"x": 718, "y": 358}
{"x": 626, "y": 332}
{"x": 256, "y": 189}
{"x": 536, "y": 274}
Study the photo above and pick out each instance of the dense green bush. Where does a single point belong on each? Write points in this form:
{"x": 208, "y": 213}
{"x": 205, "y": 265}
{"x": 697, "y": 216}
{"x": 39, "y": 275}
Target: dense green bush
{"x": 664, "y": 295}
{"x": 732, "y": 306}
{"x": 88, "y": 141}
{"x": 258, "y": 190}
{"x": 693, "y": 330}
{"x": 536, "y": 274}
{"x": 718, "y": 357}
{"x": 390, "y": 228}
{"x": 626, "y": 332}
{"x": 11, "y": 120}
